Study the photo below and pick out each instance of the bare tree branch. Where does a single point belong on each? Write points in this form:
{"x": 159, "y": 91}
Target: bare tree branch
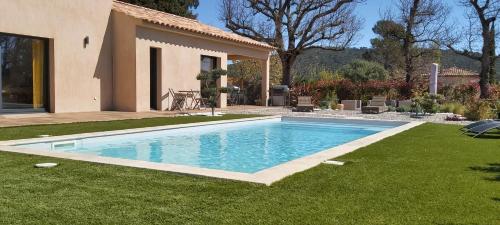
{"x": 480, "y": 31}
{"x": 424, "y": 21}
{"x": 293, "y": 26}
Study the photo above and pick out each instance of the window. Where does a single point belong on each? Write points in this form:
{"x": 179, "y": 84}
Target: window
{"x": 208, "y": 63}
{"x": 23, "y": 73}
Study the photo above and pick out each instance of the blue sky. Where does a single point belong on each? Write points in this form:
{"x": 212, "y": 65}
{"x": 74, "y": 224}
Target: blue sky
{"x": 208, "y": 13}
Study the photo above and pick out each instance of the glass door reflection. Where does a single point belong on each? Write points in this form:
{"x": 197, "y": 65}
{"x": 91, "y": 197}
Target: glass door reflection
{"x": 23, "y": 75}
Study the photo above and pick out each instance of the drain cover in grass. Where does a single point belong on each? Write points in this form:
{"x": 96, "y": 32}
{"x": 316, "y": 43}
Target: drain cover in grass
{"x": 45, "y": 165}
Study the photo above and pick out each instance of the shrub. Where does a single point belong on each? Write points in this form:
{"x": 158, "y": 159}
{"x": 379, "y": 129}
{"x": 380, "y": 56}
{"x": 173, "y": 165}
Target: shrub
{"x": 428, "y": 103}
{"x": 459, "y": 109}
{"x": 479, "y": 110}
{"x": 416, "y": 108}
{"x": 496, "y": 108}
{"x": 447, "y": 108}
{"x": 329, "y": 101}
{"x": 466, "y": 93}
{"x": 403, "y": 109}
{"x": 346, "y": 89}
{"x": 453, "y": 107}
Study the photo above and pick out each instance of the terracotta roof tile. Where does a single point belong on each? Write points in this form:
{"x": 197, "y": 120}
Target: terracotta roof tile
{"x": 181, "y": 23}
{"x": 455, "y": 71}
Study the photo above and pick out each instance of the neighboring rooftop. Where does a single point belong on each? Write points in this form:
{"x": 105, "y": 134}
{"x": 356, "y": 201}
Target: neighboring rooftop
{"x": 181, "y": 23}
{"x": 455, "y": 71}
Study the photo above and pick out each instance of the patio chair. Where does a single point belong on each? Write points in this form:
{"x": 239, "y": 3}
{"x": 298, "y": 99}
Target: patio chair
{"x": 200, "y": 102}
{"x": 191, "y": 96}
{"x": 178, "y": 101}
{"x": 377, "y": 105}
{"x": 481, "y": 129}
{"x": 304, "y": 104}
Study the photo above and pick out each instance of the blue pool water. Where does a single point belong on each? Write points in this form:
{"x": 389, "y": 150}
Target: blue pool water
{"x": 241, "y": 147}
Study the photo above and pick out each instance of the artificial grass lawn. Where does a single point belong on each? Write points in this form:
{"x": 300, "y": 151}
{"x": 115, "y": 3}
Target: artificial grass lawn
{"x": 430, "y": 174}
{"x": 10, "y": 133}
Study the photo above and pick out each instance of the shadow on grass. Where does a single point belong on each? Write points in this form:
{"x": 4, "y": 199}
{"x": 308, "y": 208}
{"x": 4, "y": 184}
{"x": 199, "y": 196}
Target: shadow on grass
{"x": 488, "y": 135}
{"x": 493, "y": 168}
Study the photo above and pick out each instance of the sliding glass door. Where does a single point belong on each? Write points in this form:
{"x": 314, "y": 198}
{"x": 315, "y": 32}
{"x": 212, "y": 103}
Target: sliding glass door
{"x": 23, "y": 73}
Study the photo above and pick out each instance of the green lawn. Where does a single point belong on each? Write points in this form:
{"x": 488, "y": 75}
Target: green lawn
{"x": 430, "y": 174}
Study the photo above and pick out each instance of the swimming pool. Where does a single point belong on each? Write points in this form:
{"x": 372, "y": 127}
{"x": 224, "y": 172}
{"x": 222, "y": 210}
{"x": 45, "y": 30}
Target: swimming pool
{"x": 246, "y": 147}
{"x": 261, "y": 150}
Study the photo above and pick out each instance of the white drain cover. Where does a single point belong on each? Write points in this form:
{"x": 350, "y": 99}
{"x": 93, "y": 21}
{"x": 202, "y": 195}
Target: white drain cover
{"x": 45, "y": 165}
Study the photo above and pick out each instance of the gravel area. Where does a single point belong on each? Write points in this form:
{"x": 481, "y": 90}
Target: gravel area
{"x": 434, "y": 118}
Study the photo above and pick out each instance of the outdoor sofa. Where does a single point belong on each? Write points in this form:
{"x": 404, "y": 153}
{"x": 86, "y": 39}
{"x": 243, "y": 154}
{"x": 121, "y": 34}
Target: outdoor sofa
{"x": 377, "y": 105}
{"x": 304, "y": 104}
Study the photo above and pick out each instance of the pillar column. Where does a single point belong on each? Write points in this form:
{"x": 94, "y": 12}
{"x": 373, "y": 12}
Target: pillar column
{"x": 222, "y": 82}
{"x": 265, "y": 64}
{"x": 222, "y": 101}
{"x": 433, "y": 79}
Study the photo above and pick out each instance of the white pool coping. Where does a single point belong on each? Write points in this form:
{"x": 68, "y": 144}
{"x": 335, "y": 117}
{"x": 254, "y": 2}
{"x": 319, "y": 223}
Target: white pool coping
{"x": 266, "y": 176}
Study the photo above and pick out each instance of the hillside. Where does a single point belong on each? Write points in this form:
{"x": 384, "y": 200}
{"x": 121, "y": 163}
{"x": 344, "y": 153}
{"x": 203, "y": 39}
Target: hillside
{"x": 317, "y": 59}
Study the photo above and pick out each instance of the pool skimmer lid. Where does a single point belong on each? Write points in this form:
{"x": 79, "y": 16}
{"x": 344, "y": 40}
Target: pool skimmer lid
{"x": 333, "y": 162}
{"x": 45, "y": 165}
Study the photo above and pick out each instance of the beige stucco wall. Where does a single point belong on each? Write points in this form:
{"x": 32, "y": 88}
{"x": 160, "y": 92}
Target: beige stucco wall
{"x": 124, "y": 66}
{"x": 81, "y": 77}
{"x": 112, "y": 72}
{"x": 180, "y": 63}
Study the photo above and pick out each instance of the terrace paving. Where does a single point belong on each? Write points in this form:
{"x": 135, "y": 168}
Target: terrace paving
{"x": 10, "y": 120}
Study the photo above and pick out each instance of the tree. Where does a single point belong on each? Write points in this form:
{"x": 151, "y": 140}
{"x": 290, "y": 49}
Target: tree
{"x": 387, "y": 46}
{"x": 178, "y": 7}
{"x": 293, "y": 26}
{"x": 424, "y": 21}
{"x": 481, "y": 16}
{"x": 362, "y": 71}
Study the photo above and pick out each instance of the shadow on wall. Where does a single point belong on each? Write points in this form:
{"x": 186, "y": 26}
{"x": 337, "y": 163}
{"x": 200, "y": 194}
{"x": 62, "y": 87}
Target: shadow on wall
{"x": 491, "y": 168}
{"x": 104, "y": 70}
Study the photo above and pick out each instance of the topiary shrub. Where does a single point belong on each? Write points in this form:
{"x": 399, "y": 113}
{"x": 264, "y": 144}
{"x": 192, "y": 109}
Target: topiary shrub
{"x": 210, "y": 89}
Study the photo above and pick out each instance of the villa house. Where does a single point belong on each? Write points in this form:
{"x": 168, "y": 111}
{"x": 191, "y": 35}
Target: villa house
{"x": 96, "y": 55}
{"x": 454, "y": 76}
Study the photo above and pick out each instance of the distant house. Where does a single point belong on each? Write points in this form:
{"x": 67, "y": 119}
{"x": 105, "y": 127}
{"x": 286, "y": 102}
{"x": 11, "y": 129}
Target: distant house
{"x": 454, "y": 76}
